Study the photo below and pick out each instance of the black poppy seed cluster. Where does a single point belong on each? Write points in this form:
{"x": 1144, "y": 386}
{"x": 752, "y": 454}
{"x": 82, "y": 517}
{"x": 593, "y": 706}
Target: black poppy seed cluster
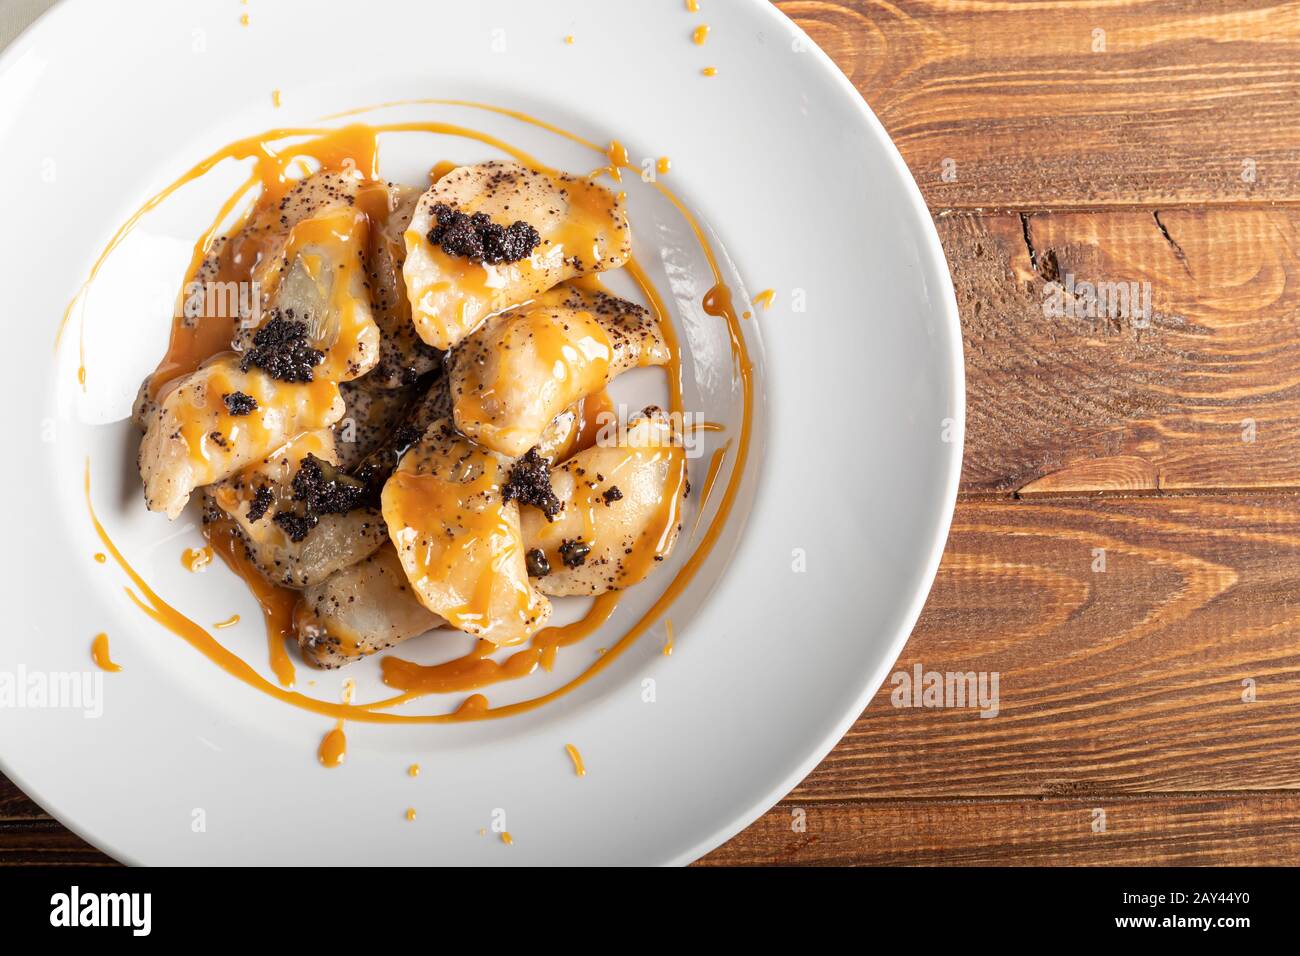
{"x": 479, "y": 239}
{"x": 574, "y": 553}
{"x": 262, "y": 498}
{"x": 320, "y": 489}
{"x": 238, "y": 403}
{"x": 280, "y": 349}
{"x": 530, "y": 484}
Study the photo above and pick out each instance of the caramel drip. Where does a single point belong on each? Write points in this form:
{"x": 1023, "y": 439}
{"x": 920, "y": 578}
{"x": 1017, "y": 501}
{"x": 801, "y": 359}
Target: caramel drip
{"x": 668, "y": 640}
{"x": 578, "y": 767}
{"x": 228, "y": 622}
{"x": 473, "y": 704}
{"x": 410, "y": 814}
{"x": 710, "y": 478}
{"x": 710, "y": 71}
{"x": 413, "y": 770}
{"x": 333, "y": 748}
{"x": 664, "y": 166}
{"x": 277, "y": 603}
{"x": 99, "y": 652}
{"x": 100, "y": 557}
{"x": 700, "y": 35}
{"x": 617, "y": 155}
{"x": 594, "y": 412}
{"x": 765, "y": 298}
{"x": 196, "y": 559}
{"x": 476, "y": 670}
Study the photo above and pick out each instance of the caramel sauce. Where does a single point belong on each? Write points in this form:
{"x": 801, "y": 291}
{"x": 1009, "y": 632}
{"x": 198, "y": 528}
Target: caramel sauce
{"x": 473, "y": 704}
{"x": 692, "y": 6}
{"x": 664, "y": 166}
{"x": 358, "y": 145}
{"x": 569, "y": 40}
{"x": 594, "y": 412}
{"x": 410, "y": 814}
{"x": 668, "y": 639}
{"x": 100, "y": 557}
{"x": 507, "y": 839}
{"x": 765, "y": 298}
{"x": 700, "y": 35}
{"x": 476, "y": 669}
{"x": 413, "y": 770}
{"x": 578, "y": 767}
{"x": 333, "y": 748}
{"x": 276, "y": 99}
{"x": 710, "y": 71}
{"x": 99, "y": 652}
{"x": 195, "y": 560}
{"x": 277, "y": 603}
{"x": 710, "y": 478}
{"x": 617, "y": 155}
{"x": 440, "y": 169}
{"x": 228, "y": 622}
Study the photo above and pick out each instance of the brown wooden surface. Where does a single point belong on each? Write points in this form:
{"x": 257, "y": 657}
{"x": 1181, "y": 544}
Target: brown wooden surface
{"x": 1171, "y": 157}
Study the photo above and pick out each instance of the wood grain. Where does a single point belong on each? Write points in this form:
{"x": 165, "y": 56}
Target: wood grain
{"x": 1014, "y": 94}
{"x": 1221, "y": 829}
{"x": 1121, "y": 670}
{"x": 29, "y": 836}
{"x": 1202, "y": 394}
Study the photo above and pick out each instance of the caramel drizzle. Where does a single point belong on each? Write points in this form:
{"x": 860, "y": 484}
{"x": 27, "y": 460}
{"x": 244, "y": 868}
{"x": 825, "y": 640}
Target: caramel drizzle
{"x": 272, "y": 171}
{"x": 99, "y": 653}
{"x": 579, "y": 768}
{"x": 195, "y": 560}
{"x": 277, "y": 603}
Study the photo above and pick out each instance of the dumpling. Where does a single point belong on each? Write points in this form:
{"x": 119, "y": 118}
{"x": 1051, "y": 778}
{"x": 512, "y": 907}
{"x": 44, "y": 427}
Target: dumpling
{"x": 458, "y": 538}
{"x": 491, "y": 236}
{"x": 512, "y": 377}
{"x": 620, "y": 514}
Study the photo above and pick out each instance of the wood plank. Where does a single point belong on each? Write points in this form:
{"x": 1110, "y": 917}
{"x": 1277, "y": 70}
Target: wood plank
{"x": 28, "y": 835}
{"x": 46, "y": 843}
{"x": 1120, "y": 676}
{"x": 1015, "y": 95}
{"x": 1204, "y": 393}
{"x": 1210, "y": 830}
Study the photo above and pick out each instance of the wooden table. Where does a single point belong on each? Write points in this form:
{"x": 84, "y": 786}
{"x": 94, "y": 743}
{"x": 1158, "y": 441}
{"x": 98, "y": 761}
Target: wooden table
{"x": 1126, "y": 550}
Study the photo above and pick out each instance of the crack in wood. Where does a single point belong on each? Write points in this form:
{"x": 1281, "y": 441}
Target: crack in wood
{"x": 1178, "y": 250}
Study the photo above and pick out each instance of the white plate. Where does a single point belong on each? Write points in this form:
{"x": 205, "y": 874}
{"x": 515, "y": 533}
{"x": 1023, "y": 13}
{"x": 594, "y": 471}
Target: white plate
{"x": 853, "y": 471}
